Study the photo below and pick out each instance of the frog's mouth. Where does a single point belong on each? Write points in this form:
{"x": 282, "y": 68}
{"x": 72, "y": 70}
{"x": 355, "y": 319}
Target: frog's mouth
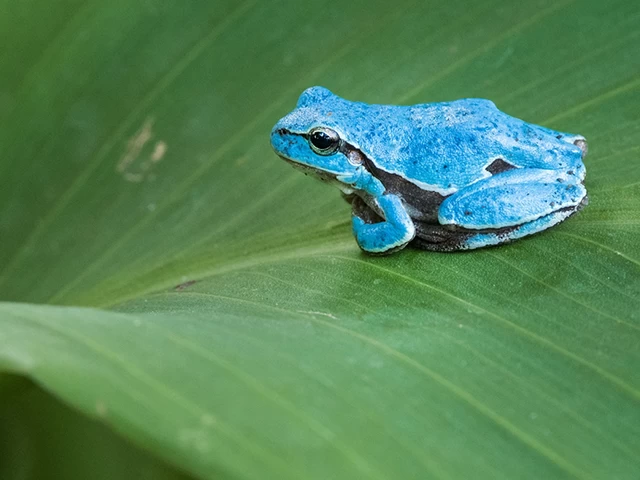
{"x": 322, "y": 175}
{"x": 312, "y": 171}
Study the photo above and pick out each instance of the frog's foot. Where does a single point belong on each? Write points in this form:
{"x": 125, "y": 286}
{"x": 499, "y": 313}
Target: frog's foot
{"x": 382, "y": 237}
{"x": 578, "y": 140}
{"x": 512, "y": 204}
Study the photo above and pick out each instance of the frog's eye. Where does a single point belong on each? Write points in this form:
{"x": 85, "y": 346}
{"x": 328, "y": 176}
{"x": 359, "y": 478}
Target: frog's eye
{"x": 324, "y": 141}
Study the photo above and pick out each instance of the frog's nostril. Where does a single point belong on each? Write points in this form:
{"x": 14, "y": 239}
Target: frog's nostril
{"x": 278, "y": 132}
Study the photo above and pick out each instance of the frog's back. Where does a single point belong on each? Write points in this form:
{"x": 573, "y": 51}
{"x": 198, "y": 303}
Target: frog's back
{"x": 451, "y": 144}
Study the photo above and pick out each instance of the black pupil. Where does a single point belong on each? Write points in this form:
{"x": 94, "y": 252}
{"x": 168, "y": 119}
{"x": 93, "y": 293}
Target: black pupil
{"x": 321, "y": 140}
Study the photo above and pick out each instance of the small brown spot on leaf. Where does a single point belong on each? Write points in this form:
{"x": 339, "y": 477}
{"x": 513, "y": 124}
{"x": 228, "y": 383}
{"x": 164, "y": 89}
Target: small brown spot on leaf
{"x": 159, "y": 151}
{"x": 135, "y": 145}
{"x": 184, "y": 285}
{"x": 136, "y": 163}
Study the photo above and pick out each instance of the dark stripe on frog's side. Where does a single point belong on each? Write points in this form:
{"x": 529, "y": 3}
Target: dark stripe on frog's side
{"x": 424, "y": 204}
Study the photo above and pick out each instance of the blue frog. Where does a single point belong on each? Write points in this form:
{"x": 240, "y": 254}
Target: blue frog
{"x": 440, "y": 176}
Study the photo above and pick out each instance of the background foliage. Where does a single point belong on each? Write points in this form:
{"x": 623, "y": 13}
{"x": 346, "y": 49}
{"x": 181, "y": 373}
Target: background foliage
{"x": 135, "y": 158}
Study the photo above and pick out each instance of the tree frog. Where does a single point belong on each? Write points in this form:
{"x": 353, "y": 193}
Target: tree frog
{"x": 441, "y": 176}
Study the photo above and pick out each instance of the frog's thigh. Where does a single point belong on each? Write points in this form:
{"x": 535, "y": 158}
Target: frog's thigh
{"x": 511, "y": 198}
{"x": 387, "y": 236}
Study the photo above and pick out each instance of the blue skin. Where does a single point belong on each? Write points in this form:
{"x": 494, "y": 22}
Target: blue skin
{"x": 448, "y": 149}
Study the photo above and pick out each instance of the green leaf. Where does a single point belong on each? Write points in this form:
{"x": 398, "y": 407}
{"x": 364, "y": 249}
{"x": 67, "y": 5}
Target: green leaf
{"x": 44, "y": 439}
{"x": 233, "y": 328}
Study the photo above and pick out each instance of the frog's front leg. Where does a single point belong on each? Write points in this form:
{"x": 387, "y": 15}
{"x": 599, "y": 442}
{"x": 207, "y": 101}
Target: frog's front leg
{"x": 514, "y": 198}
{"x": 390, "y": 235}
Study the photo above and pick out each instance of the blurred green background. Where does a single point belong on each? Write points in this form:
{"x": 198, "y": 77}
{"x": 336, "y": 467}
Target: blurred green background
{"x": 134, "y": 157}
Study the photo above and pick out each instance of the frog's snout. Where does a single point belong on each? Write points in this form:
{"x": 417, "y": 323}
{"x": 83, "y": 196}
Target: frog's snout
{"x": 278, "y": 134}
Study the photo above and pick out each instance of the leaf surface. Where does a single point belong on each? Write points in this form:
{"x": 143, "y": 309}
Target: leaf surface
{"x": 164, "y": 272}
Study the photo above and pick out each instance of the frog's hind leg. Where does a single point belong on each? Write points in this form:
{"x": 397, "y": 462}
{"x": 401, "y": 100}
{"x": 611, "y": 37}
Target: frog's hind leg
{"x": 511, "y": 204}
{"x": 440, "y": 239}
{"x": 511, "y": 198}
{"x": 509, "y": 234}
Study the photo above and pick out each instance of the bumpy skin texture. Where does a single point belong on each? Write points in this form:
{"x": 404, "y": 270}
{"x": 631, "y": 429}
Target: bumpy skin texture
{"x": 447, "y": 176}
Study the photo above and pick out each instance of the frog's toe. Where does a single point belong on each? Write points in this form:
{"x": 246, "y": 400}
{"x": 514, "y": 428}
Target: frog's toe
{"x": 581, "y": 143}
{"x": 577, "y": 140}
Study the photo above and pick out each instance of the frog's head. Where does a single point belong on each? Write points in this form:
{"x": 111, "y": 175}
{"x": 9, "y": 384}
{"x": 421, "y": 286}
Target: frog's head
{"x": 311, "y": 137}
